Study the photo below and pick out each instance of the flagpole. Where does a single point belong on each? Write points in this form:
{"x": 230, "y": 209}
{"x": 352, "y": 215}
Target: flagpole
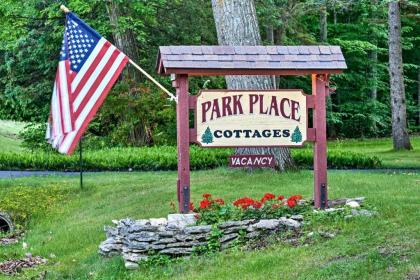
{"x": 81, "y": 162}
{"x": 173, "y": 97}
{"x": 64, "y": 9}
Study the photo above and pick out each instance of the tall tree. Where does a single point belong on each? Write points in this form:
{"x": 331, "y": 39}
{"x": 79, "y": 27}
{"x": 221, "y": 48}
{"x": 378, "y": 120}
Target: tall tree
{"x": 398, "y": 104}
{"x": 124, "y": 37}
{"x": 125, "y": 40}
{"x": 323, "y": 24}
{"x": 418, "y": 96}
{"x": 236, "y": 24}
{"x": 373, "y": 54}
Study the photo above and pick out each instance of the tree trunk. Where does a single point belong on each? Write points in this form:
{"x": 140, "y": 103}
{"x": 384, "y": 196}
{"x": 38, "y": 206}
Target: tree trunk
{"x": 373, "y": 55}
{"x": 418, "y": 98}
{"x": 323, "y": 26}
{"x": 270, "y": 34}
{"x": 236, "y": 24}
{"x": 270, "y": 39}
{"x": 323, "y": 32}
{"x": 373, "y": 74}
{"x": 278, "y": 39}
{"x": 398, "y": 105}
{"x": 124, "y": 39}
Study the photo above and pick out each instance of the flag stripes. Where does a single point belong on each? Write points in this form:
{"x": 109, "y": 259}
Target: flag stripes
{"x": 71, "y": 139}
{"x": 89, "y": 65}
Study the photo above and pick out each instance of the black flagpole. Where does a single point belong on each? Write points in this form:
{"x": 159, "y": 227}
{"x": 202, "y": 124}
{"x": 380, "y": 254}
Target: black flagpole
{"x": 81, "y": 163}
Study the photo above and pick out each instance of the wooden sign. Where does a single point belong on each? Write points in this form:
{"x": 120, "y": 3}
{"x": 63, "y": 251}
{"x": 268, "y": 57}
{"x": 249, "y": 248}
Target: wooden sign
{"x": 236, "y": 118}
{"x": 251, "y": 161}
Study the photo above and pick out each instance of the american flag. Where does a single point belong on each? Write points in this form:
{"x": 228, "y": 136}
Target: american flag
{"x": 88, "y": 67}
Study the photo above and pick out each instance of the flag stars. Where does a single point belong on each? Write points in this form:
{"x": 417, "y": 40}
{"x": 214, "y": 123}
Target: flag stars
{"x": 80, "y": 42}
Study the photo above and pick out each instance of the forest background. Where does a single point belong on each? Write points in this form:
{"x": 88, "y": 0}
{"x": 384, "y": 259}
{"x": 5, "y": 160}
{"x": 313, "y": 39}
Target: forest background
{"x": 136, "y": 113}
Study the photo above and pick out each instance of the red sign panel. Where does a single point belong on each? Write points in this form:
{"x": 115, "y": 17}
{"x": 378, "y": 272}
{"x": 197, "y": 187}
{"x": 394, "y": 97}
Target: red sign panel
{"x": 251, "y": 161}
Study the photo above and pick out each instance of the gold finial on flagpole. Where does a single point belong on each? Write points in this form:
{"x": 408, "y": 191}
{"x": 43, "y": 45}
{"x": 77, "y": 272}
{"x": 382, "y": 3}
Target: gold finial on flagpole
{"x": 64, "y": 9}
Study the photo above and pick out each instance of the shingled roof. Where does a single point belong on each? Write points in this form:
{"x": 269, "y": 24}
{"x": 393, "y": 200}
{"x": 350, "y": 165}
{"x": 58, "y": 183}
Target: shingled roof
{"x": 208, "y": 60}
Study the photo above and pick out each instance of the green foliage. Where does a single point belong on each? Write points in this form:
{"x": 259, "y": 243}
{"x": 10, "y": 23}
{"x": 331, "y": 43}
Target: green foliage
{"x": 339, "y": 159}
{"x": 213, "y": 242}
{"x": 155, "y": 260}
{"x": 23, "y": 203}
{"x": 267, "y": 211}
{"x": 136, "y": 113}
{"x": 160, "y": 158}
{"x": 33, "y": 137}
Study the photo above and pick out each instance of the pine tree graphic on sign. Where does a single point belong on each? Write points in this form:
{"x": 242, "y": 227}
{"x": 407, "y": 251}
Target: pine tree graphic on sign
{"x": 207, "y": 136}
{"x": 296, "y": 135}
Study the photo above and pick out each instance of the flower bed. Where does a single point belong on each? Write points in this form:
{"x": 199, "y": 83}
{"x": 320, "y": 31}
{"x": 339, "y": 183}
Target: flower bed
{"x": 212, "y": 226}
{"x": 214, "y": 210}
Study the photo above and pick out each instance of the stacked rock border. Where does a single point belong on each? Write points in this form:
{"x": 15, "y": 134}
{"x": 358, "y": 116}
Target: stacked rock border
{"x": 178, "y": 235}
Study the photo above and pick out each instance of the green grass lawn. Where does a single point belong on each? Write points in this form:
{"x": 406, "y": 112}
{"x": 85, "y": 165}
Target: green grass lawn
{"x": 9, "y": 140}
{"x": 68, "y": 223}
{"x": 382, "y": 148}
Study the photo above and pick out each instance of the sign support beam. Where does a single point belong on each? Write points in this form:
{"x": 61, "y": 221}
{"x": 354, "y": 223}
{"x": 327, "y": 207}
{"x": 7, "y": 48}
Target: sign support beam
{"x": 183, "y": 142}
{"x": 320, "y": 90}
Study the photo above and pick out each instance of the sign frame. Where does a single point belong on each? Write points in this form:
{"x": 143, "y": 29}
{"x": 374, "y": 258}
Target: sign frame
{"x": 315, "y": 62}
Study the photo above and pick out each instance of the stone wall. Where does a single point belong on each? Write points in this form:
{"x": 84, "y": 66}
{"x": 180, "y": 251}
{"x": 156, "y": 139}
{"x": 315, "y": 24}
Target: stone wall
{"x": 178, "y": 235}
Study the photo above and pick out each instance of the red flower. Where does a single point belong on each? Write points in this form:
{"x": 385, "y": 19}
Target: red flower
{"x": 219, "y": 201}
{"x": 276, "y": 205}
{"x": 244, "y": 202}
{"x": 257, "y": 204}
{"x": 196, "y": 216}
{"x": 267, "y": 196}
{"x": 296, "y": 197}
{"x": 191, "y": 206}
{"x": 280, "y": 197}
{"x": 206, "y": 195}
{"x": 291, "y": 203}
{"x": 205, "y": 204}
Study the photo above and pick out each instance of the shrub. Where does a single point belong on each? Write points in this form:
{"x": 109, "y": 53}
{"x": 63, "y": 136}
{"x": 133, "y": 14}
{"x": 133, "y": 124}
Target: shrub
{"x": 33, "y": 137}
{"x": 160, "y": 158}
{"x": 23, "y": 202}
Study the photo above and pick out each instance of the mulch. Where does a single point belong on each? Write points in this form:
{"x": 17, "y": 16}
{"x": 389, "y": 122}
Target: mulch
{"x": 10, "y": 239}
{"x": 12, "y": 267}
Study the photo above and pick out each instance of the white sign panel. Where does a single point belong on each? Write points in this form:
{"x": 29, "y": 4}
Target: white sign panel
{"x": 236, "y": 118}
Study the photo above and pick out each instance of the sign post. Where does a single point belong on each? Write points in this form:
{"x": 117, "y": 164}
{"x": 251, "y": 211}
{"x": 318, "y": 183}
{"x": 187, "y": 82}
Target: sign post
{"x": 319, "y": 89}
{"x": 183, "y": 140}
{"x": 258, "y": 118}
